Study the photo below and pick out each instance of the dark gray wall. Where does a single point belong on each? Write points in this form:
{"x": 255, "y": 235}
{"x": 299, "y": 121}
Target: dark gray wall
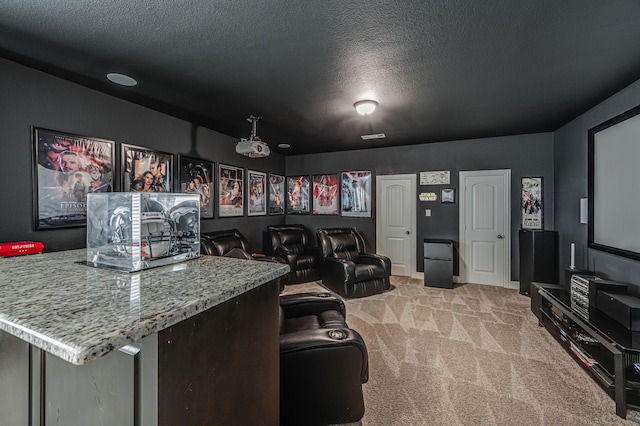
{"x": 32, "y": 98}
{"x": 571, "y": 171}
{"x": 525, "y": 155}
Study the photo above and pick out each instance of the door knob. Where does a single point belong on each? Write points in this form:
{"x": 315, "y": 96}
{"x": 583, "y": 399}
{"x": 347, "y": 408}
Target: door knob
{"x": 500, "y": 237}
{"x": 408, "y": 232}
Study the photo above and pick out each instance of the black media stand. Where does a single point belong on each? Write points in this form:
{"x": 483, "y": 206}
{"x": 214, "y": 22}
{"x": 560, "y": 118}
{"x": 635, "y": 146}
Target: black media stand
{"x": 603, "y": 347}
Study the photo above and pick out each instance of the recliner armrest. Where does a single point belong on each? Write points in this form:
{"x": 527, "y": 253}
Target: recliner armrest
{"x": 376, "y": 259}
{"x": 338, "y": 270}
{"x": 299, "y": 342}
{"x": 301, "y": 304}
{"x": 272, "y": 259}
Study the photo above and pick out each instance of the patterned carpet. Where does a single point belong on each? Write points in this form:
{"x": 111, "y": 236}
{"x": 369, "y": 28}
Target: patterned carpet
{"x": 474, "y": 355}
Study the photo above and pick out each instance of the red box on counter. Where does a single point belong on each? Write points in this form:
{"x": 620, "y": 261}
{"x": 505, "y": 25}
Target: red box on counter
{"x": 19, "y": 248}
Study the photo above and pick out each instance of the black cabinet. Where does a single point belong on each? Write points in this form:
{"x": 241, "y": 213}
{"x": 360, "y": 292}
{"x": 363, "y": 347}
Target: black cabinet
{"x": 438, "y": 263}
{"x": 605, "y": 348}
{"x": 537, "y": 258}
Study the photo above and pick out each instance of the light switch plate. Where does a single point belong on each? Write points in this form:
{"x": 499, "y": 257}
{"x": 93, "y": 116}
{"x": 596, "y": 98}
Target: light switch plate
{"x": 427, "y": 212}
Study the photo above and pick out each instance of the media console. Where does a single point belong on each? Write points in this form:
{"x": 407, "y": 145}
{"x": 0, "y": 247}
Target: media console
{"x": 604, "y": 347}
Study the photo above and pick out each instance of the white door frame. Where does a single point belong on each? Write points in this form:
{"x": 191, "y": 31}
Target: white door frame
{"x": 411, "y": 205}
{"x": 506, "y": 173}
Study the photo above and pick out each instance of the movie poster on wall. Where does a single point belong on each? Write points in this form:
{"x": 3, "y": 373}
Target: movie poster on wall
{"x": 325, "y": 194}
{"x": 257, "y": 182}
{"x": 231, "y": 195}
{"x": 356, "y": 194}
{"x": 276, "y": 194}
{"x": 67, "y": 168}
{"x": 532, "y": 203}
{"x": 196, "y": 177}
{"x": 298, "y": 195}
{"x": 146, "y": 170}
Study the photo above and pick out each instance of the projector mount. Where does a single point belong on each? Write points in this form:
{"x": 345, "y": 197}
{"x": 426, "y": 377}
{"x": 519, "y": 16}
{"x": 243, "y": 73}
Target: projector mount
{"x": 253, "y": 147}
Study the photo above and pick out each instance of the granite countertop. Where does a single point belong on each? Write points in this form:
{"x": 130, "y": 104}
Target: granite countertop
{"x": 80, "y": 313}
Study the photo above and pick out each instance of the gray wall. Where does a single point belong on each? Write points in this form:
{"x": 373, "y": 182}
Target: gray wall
{"x": 525, "y": 155}
{"x": 32, "y": 98}
{"x": 571, "y": 171}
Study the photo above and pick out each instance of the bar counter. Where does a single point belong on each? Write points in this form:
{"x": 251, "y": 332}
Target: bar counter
{"x": 171, "y": 320}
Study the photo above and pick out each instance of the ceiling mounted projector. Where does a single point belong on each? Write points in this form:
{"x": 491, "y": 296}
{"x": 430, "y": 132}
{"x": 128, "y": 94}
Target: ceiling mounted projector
{"x": 253, "y": 147}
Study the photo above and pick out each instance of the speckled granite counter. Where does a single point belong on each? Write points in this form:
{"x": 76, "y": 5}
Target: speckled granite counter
{"x": 80, "y": 313}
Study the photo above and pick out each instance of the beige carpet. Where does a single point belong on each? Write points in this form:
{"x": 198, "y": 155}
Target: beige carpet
{"x": 474, "y": 355}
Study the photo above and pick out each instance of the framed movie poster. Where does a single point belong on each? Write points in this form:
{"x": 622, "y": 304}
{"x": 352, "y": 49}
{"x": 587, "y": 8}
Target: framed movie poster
{"x": 257, "y": 189}
{"x": 532, "y": 203}
{"x": 356, "y": 194}
{"x": 325, "y": 194}
{"x": 230, "y": 194}
{"x": 298, "y": 195}
{"x": 196, "y": 176}
{"x": 146, "y": 170}
{"x": 66, "y": 168}
{"x": 276, "y": 194}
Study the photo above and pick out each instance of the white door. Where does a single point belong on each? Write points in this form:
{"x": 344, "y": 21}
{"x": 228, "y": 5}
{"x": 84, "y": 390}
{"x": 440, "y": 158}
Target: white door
{"x": 396, "y": 221}
{"x": 485, "y": 224}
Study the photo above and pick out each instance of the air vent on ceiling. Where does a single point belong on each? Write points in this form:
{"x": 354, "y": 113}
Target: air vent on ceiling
{"x": 373, "y": 136}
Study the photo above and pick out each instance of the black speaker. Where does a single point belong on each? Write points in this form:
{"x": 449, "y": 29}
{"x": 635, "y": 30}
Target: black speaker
{"x": 537, "y": 258}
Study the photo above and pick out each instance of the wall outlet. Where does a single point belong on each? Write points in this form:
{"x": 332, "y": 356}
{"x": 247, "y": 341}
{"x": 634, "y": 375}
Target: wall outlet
{"x": 427, "y": 212}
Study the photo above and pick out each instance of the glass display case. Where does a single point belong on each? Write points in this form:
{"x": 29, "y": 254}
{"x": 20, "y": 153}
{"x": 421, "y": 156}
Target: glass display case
{"x": 132, "y": 231}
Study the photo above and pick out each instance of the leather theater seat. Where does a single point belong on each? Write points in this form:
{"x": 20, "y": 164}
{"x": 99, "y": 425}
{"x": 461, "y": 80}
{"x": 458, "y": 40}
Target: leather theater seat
{"x": 226, "y": 243}
{"x": 323, "y": 363}
{"x": 231, "y": 243}
{"x": 296, "y": 247}
{"x": 346, "y": 268}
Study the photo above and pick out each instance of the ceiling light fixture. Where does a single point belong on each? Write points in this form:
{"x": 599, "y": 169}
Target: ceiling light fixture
{"x": 365, "y": 107}
{"x": 121, "y": 79}
{"x": 373, "y": 136}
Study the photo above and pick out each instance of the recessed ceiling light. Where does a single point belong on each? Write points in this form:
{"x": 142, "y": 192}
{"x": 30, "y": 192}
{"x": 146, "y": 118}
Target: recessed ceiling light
{"x": 365, "y": 107}
{"x": 284, "y": 145}
{"x": 121, "y": 79}
{"x": 373, "y": 136}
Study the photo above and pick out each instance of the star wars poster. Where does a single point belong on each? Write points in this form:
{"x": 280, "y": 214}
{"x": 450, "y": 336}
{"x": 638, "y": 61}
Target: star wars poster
{"x": 276, "y": 194}
{"x": 68, "y": 167}
{"x": 257, "y": 182}
{"x": 196, "y": 177}
{"x": 146, "y": 170}
{"x": 298, "y": 195}
{"x": 231, "y": 195}
{"x": 356, "y": 194}
{"x": 325, "y": 194}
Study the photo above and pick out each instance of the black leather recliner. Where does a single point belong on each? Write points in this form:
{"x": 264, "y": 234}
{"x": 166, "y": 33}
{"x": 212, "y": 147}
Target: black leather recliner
{"x": 346, "y": 268}
{"x": 231, "y": 243}
{"x": 296, "y": 247}
{"x": 323, "y": 363}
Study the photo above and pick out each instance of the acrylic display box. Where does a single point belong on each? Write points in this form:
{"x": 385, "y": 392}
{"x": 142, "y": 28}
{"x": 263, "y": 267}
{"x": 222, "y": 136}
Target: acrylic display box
{"x": 132, "y": 231}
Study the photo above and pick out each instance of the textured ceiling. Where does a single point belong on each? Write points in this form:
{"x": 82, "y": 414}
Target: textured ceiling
{"x": 440, "y": 70}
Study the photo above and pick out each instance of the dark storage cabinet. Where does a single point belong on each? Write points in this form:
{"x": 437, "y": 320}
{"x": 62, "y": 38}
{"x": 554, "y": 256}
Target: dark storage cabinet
{"x": 537, "y": 258}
